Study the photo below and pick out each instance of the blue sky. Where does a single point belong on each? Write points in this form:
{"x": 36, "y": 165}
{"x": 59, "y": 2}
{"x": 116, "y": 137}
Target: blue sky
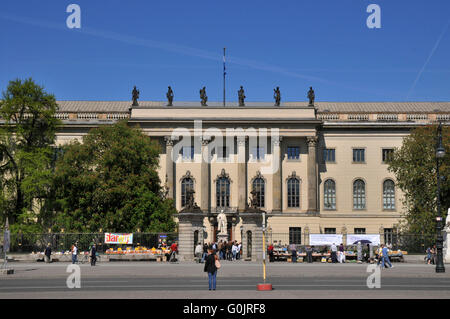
{"x": 293, "y": 44}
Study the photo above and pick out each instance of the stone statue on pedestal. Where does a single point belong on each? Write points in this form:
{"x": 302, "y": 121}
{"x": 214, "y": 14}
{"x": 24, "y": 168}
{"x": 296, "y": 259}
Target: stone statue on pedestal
{"x": 446, "y": 233}
{"x": 222, "y": 223}
{"x": 190, "y": 206}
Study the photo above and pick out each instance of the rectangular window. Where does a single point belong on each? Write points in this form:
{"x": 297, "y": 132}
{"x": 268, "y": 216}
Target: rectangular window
{"x": 359, "y": 230}
{"x": 258, "y": 153}
{"x": 295, "y": 235}
{"x": 387, "y": 153}
{"x": 330, "y": 230}
{"x": 293, "y": 152}
{"x": 358, "y": 155}
{"x": 329, "y": 155}
{"x": 388, "y": 236}
{"x": 187, "y": 152}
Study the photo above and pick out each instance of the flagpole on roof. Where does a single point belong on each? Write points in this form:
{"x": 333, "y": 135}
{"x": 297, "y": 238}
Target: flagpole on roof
{"x": 224, "y": 73}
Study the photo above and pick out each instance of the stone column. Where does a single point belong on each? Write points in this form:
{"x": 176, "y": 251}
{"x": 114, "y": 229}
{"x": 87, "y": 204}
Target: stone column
{"x": 169, "y": 167}
{"x": 306, "y": 232}
{"x": 381, "y": 232}
{"x": 242, "y": 173}
{"x": 312, "y": 174}
{"x": 276, "y": 177}
{"x": 204, "y": 179}
{"x": 344, "y": 235}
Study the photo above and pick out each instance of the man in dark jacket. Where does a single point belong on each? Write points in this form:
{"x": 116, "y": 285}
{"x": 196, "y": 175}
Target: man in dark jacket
{"x": 47, "y": 253}
{"x": 93, "y": 255}
{"x": 211, "y": 269}
{"x": 309, "y": 252}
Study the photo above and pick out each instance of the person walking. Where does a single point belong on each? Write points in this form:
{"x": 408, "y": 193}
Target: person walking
{"x": 293, "y": 249}
{"x": 211, "y": 268}
{"x": 74, "y": 253}
{"x": 270, "y": 252}
{"x": 333, "y": 253}
{"x": 238, "y": 256}
{"x": 309, "y": 252}
{"x": 234, "y": 250}
{"x": 205, "y": 252}
{"x": 93, "y": 255}
{"x": 198, "y": 251}
{"x": 433, "y": 255}
{"x": 385, "y": 257}
{"x": 341, "y": 253}
{"x": 173, "y": 252}
{"x": 47, "y": 253}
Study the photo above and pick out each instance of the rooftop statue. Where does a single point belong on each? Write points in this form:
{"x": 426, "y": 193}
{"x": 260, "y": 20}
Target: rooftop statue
{"x": 203, "y": 96}
{"x": 241, "y": 96}
{"x": 169, "y": 96}
{"x": 311, "y": 96}
{"x": 135, "y": 96}
{"x": 277, "y": 96}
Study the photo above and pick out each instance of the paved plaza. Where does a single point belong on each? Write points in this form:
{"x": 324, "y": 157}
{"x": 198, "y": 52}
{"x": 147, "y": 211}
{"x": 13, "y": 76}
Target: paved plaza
{"x": 235, "y": 280}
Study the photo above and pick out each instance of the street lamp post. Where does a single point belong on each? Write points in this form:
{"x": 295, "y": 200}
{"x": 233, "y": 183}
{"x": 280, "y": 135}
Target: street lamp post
{"x": 440, "y": 153}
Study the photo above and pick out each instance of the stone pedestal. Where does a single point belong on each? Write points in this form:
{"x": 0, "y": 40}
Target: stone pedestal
{"x": 222, "y": 237}
{"x": 189, "y": 223}
{"x": 446, "y": 249}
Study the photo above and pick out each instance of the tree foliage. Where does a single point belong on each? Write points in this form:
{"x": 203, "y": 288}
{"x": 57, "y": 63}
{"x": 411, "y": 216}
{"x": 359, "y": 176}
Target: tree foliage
{"x": 26, "y": 138}
{"x": 414, "y": 165}
{"x": 110, "y": 182}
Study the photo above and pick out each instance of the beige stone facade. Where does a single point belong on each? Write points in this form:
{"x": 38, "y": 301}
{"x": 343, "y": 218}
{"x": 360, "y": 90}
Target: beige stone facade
{"x": 346, "y": 128}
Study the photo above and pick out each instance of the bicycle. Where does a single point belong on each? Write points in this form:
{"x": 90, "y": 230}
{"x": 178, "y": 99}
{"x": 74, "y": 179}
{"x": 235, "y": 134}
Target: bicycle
{"x": 85, "y": 259}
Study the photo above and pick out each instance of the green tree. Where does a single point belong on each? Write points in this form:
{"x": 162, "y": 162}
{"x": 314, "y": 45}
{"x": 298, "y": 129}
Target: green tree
{"x": 26, "y": 138}
{"x": 110, "y": 181}
{"x": 414, "y": 165}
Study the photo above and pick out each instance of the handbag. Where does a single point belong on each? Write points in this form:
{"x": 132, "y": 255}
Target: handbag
{"x": 217, "y": 264}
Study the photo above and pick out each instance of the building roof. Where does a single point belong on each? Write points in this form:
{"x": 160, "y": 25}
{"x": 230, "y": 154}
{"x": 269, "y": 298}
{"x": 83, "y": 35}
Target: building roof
{"x": 322, "y": 107}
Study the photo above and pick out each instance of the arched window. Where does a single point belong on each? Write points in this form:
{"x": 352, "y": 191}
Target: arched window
{"x": 293, "y": 188}
{"x": 359, "y": 194}
{"x": 329, "y": 194}
{"x": 223, "y": 192}
{"x": 388, "y": 194}
{"x": 186, "y": 183}
{"x": 259, "y": 187}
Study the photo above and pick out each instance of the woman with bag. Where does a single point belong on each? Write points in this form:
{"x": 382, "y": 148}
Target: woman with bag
{"x": 211, "y": 265}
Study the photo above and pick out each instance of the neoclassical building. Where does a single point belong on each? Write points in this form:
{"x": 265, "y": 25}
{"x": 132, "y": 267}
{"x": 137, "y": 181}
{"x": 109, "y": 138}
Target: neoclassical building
{"x": 331, "y": 178}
